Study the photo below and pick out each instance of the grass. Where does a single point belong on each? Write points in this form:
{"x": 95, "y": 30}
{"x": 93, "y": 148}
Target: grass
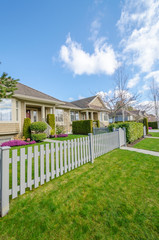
{"x": 148, "y": 144}
{"x": 70, "y": 136}
{"x": 114, "y": 198}
{"x": 154, "y": 134}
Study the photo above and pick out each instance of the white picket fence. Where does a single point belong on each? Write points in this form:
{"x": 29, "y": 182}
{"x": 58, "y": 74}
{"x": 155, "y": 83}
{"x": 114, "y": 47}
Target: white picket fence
{"x": 19, "y": 173}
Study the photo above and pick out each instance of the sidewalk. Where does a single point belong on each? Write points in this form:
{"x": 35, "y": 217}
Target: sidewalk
{"x": 141, "y": 151}
{"x": 151, "y": 137}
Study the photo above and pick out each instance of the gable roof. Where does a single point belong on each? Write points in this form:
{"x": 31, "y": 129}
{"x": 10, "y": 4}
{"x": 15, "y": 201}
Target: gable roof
{"x": 84, "y": 103}
{"x": 31, "y": 92}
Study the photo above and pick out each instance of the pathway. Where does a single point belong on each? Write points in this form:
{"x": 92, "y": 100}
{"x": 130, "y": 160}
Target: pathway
{"x": 151, "y": 137}
{"x": 141, "y": 151}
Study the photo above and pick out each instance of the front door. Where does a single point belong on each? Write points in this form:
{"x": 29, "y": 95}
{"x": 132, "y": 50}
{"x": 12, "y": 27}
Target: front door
{"x": 28, "y": 114}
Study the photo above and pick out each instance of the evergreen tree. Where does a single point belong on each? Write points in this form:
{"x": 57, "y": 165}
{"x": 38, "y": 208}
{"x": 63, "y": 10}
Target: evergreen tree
{"x": 7, "y": 86}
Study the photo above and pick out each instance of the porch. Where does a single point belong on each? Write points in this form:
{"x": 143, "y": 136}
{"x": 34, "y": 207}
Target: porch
{"x": 89, "y": 115}
{"x": 38, "y": 112}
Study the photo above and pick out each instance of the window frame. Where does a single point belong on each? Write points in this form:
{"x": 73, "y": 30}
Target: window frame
{"x": 6, "y": 107}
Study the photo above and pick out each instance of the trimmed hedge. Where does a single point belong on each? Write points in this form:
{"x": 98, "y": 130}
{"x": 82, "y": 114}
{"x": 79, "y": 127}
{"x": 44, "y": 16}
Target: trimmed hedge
{"x": 38, "y": 127}
{"x": 51, "y": 122}
{"x": 38, "y": 137}
{"x": 82, "y": 127}
{"x": 26, "y": 128}
{"x": 153, "y": 125}
{"x": 134, "y": 130}
{"x": 145, "y": 122}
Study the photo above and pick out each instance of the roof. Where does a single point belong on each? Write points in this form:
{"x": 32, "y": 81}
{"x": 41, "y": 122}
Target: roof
{"x": 84, "y": 103}
{"x": 31, "y": 92}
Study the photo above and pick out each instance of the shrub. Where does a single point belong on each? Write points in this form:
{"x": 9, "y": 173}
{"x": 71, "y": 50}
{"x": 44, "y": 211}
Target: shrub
{"x": 153, "y": 125}
{"x": 82, "y": 127}
{"x": 38, "y": 127}
{"x": 59, "y": 129}
{"x": 145, "y": 122}
{"x": 51, "y": 122}
{"x": 134, "y": 130}
{"x": 96, "y": 123}
{"x": 26, "y": 128}
{"x": 38, "y": 137}
{"x": 13, "y": 143}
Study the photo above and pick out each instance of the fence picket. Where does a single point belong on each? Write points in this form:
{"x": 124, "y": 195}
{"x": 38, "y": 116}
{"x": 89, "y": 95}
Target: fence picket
{"x": 72, "y": 154}
{"x": 61, "y": 158}
{"x": 22, "y": 171}
{"x": 57, "y": 158}
{"x": 84, "y": 151}
{"x": 65, "y": 157}
{"x": 52, "y": 161}
{"x": 78, "y": 152}
{"x": 81, "y": 151}
{"x": 47, "y": 155}
{"x": 68, "y": 151}
{"x": 14, "y": 174}
{"x": 29, "y": 168}
{"x": 42, "y": 164}
{"x": 36, "y": 179}
{"x": 75, "y": 148}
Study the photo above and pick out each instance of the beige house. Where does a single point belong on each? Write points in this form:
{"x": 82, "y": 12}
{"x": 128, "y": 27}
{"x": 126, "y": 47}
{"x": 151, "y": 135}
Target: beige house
{"x": 30, "y": 103}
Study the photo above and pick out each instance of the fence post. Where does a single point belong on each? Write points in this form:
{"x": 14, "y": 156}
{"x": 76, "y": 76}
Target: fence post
{"x": 124, "y": 135}
{"x": 91, "y": 146}
{"x": 144, "y": 131}
{"x": 119, "y": 137}
{"x": 4, "y": 181}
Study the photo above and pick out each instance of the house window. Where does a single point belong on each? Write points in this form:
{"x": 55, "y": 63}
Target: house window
{"x": 6, "y": 110}
{"x": 59, "y": 115}
{"x": 74, "y": 116}
{"x": 105, "y": 117}
{"x": 17, "y": 109}
{"x": 34, "y": 116}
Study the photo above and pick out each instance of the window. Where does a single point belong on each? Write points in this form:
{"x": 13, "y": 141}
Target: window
{"x": 74, "y": 116}
{"x": 6, "y": 110}
{"x": 17, "y": 110}
{"x": 101, "y": 116}
{"x": 106, "y": 117}
{"x": 34, "y": 116}
{"x": 59, "y": 115}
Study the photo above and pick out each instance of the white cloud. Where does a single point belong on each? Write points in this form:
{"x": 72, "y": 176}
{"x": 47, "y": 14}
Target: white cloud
{"x": 102, "y": 61}
{"x": 154, "y": 75}
{"x": 134, "y": 81}
{"x": 70, "y": 98}
{"x": 94, "y": 30}
{"x": 139, "y": 24}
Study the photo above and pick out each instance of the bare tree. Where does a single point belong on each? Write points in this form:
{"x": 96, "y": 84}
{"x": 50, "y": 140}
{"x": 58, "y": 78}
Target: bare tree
{"x": 154, "y": 89}
{"x": 121, "y": 97}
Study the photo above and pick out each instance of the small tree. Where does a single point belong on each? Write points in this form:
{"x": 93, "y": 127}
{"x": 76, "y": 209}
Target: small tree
{"x": 7, "y": 86}
{"x": 145, "y": 122}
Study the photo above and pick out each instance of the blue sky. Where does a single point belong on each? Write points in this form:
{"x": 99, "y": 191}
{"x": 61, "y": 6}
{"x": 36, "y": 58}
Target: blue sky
{"x": 71, "y": 49}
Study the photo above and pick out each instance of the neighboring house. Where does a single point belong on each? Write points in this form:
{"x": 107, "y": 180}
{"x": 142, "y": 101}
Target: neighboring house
{"x": 133, "y": 115}
{"x": 30, "y": 103}
{"x": 151, "y": 118}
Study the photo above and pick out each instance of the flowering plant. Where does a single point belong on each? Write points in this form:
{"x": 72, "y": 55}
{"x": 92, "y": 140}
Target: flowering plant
{"x": 13, "y": 143}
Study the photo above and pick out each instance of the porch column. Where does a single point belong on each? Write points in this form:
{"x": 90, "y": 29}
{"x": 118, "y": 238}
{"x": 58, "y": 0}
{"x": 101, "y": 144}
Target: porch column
{"x": 87, "y": 117}
{"x": 43, "y": 112}
{"x": 91, "y": 115}
{"x": 53, "y": 110}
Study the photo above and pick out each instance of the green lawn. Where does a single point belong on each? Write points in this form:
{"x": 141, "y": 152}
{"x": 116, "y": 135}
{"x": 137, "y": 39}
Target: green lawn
{"x": 148, "y": 144}
{"x": 70, "y": 136}
{"x": 154, "y": 134}
{"x": 114, "y": 198}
